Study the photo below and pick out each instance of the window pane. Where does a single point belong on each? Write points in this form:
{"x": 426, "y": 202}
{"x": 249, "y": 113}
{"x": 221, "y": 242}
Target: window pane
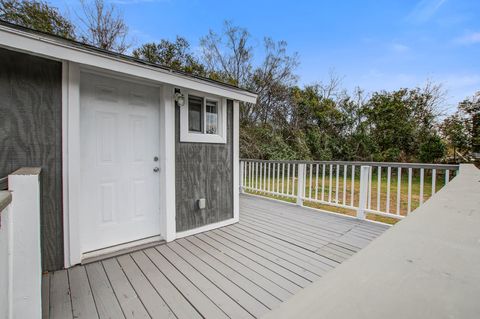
{"x": 212, "y": 117}
{"x": 195, "y": 114}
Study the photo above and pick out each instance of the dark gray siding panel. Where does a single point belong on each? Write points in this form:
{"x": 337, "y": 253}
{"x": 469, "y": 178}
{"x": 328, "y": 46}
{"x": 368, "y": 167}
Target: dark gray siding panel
{"x": 30, "y": 135}
{"x": 203, "y": 171}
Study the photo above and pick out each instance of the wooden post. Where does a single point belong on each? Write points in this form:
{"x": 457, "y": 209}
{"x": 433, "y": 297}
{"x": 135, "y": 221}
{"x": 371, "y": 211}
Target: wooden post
{"x": 301, "y": 184}
{"x": 364, "y": 182}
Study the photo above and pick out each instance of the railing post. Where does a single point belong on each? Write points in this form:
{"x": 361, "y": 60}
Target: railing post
{"x": 300, "y": 184}
{"x": 24, "y": 185}
{"x": 363, "y": 193}
{"x": 242, "y": 169}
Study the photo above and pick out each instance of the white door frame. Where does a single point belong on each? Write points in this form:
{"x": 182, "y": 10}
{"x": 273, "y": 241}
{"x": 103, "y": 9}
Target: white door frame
{"x": 71, "y": 160}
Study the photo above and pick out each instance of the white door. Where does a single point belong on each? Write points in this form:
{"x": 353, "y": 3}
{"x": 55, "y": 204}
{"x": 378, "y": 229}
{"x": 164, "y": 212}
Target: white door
{"x": 119, "y": 145}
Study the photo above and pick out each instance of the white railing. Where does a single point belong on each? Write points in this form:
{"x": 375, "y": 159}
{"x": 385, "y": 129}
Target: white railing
{"x": 385, "y": 189}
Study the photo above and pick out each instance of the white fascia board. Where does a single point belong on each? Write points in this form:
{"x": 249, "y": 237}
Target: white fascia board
{"x": 54, "y": 49}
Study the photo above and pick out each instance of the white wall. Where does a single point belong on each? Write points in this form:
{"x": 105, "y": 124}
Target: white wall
{"x": 26, "y": 277}
{"x": 5, "y": 269}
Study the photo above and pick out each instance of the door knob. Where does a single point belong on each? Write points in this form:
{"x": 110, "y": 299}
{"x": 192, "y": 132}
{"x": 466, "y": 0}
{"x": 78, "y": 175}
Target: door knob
{"x": 156, "y": 169}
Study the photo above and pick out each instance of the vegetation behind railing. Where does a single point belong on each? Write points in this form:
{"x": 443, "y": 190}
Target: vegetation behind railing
{"x": 381, "y": 191}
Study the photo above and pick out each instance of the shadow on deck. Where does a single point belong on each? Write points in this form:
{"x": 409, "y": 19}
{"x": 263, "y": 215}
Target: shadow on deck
{"x": 238, "y": 271}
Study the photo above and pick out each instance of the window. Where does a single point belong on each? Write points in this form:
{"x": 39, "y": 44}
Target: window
{"x": 195, "y": 118}
{"x": 211, "y": 117}
{"x": 203, "y": 119}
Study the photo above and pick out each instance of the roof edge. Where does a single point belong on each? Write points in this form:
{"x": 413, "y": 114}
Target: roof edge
{"x": 54, "y": 47}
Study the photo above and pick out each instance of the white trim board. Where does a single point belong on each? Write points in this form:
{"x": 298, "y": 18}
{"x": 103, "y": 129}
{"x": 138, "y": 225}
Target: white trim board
{"x": 236, "y": 160}
{"x": 202, "y": 137}
{"x": 61, "y": 50}
{"x": 205, "y": 228}
{"x": 111, "y": 251}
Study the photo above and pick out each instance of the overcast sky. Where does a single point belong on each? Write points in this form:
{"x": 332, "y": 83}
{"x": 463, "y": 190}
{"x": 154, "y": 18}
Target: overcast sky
{"x": 373, "y": 44}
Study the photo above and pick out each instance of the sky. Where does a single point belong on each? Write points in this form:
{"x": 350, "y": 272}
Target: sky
{"x": 371, "y": 44}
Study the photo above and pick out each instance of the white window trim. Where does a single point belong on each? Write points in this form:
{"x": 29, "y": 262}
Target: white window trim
{"x": 194, "y": 137}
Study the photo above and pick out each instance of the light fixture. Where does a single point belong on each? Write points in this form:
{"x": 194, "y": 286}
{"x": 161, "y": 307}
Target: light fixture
{"x": 179, "y": 98}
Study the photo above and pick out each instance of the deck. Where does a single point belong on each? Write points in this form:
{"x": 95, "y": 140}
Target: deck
{"x": 239, "y": 271}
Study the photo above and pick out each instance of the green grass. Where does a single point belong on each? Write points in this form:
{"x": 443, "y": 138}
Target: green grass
{"x": 316, "y": 192}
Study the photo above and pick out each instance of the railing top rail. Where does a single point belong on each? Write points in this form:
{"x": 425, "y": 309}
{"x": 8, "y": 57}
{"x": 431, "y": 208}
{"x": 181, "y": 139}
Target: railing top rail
{"x": 359, "y": 163}
{"x": 3, "y": 183}
{"x": 5, "y": 199}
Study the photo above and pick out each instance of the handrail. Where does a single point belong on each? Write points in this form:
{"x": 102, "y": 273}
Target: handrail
{"x": 359, "y": 163}
{"x": 379, "y": 188}
{"x": 3, "y": 183}
{"x": 5, "y": 200}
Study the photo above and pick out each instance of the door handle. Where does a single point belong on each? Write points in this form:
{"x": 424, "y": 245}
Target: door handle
{"x": 156, "y": 169}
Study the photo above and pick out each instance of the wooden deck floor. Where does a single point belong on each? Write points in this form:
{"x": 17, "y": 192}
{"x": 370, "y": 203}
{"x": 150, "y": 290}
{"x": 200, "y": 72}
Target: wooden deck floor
{"x": 239, "y": 271}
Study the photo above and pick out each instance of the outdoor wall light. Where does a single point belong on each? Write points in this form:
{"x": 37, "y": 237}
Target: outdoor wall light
{"x": 179, "y": 98}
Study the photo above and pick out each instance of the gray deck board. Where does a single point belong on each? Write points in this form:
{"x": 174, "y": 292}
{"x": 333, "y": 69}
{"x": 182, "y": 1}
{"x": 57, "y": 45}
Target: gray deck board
{"x": 249, "y": 303}
{"x": 298, "y": 239}
{"x": 129, "y": 302}
{"x": 261, "y": 269}
{"x": 240, "y": 271}
{"x": 176, "y": 301}
{"x": 299, "y": 252}
{"x": 60, "y": 302}
{"x": 277, "y": 256}
{"x": 152, "y": 301}
{"x": 255, "y": 276}
{"x": 46, "y": 296}
{"x": 105, "y": 299}
{"x": 316, "y": 234}
{"x": 305, "y": 240}
{"x": 195, "y": 296}
{"x": 328, "y": 227}
{"x": 281, "y": 251}
{"x": 262, "y": 296}
{"x": 221, "y": 299}
{"x": 284, "y": 272}
{"x": 83, "y": 305}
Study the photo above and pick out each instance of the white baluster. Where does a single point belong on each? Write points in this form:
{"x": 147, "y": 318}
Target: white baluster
{"x": 352, "y": 199}
{"x": 330, "y": 185}
{"x": 379, "y": 185}
{"x": 310, "y": 184}
{"x": 422, "y": 173}
{"x": 389, "y": 176}
{"x": 409, "y": 202}
{"x": 399, "y": 186}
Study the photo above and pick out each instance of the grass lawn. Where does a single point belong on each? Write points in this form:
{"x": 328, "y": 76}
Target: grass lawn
{"x": 312, "y": 190}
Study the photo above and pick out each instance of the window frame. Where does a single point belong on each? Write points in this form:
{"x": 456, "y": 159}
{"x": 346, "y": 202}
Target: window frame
{"x": 202, "y": 137}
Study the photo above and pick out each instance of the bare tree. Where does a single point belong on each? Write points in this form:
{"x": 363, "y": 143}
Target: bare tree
{"x": 273, "y": 80}
{"x": 228, "y": 56}
{"x": 103, "y": 26}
